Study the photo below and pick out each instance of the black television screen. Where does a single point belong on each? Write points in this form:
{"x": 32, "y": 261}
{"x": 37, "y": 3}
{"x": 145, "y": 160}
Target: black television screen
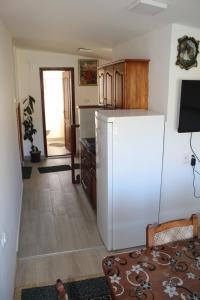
{"x": 189, "y": 117}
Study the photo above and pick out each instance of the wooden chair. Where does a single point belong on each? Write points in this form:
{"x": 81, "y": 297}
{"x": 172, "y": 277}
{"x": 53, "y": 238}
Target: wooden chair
{"x": 171, "y": 231}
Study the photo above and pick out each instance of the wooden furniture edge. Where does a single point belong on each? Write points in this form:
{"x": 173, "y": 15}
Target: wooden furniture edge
{"x": 151, "y": 229}
{"x": 108, "y": 281}
{"x": 123, "y": 61}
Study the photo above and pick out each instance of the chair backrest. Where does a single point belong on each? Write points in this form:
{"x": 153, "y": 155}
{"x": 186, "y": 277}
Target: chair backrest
{"x": 171, "y": 231}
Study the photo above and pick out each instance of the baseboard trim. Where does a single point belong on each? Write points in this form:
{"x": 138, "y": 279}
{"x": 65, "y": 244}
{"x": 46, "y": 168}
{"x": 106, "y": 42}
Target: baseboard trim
{"x": 20, "y": 214}
{"x": 18, "y": 233}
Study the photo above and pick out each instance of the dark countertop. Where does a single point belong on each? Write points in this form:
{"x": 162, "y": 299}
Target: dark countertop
{"x": 89, "y": 143}
{"x": 103, "y": 107}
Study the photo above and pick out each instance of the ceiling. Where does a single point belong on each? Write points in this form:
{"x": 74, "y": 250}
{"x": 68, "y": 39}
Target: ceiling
{"x": 66, "y": 25}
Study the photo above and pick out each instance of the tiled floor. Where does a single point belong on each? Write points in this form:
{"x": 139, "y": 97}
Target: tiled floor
{"x": 56, "y": 215}
{"x": 59, "y": 237}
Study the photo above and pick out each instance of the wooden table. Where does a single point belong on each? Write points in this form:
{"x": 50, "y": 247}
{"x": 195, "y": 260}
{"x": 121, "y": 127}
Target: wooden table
{"x": 170, "y": 271}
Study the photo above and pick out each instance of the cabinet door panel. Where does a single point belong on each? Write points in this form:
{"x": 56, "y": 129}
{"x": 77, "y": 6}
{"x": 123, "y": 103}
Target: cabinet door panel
{"x": 109, "y": 85}
{"x": 101, "y": 86}
{"x": 136, "y": 85}
{"x": 119, "y": 85}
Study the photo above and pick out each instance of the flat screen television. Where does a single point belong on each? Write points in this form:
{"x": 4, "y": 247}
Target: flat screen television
{"x": 189, "y": 117}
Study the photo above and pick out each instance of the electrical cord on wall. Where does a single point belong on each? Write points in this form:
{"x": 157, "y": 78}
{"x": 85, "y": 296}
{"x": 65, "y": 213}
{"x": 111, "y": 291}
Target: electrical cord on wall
{"x": 193, "y": 183}
{"x": 193, "y": 164}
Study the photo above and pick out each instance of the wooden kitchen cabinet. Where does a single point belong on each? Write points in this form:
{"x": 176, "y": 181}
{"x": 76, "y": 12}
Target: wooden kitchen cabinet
{"x": 88, "y": 173}
{"x": 124, "y": 84}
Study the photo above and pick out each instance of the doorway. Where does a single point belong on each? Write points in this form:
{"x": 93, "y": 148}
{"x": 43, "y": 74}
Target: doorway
{"x": 58, "y": 110}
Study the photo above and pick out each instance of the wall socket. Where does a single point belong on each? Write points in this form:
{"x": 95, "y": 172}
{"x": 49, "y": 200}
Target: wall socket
{"x": 187, "y": 158}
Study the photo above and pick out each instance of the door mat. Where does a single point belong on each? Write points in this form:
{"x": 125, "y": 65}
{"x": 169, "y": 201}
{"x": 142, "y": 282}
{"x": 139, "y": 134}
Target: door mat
{"x": 77, "y": 166}
{"x": 57, "y": 168}
{"x": 26, "y": 172}
{"x": 89, "y": 289}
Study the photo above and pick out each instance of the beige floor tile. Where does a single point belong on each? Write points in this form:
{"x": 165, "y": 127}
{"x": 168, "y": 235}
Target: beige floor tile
{"x": 85, "y": 264}
{"x": 51, "y": 268}
{"x": 65, "y": 177}
{"x": 29, "y": 202}
{"x": 37, "y": 199}
{"x": 67, "y": 187}
{"x": 26, "y": 272}
{"x": 64, "y": 234}
{"x": 87, "y": 233}
{"x": 28, "y": 244}
{"x": 61, "y": 202}
{"x": 43, "y": 201}
{"x": 47, "y": 241}
{"x": 54, "y": 182}
{"x": 71, "y": 204}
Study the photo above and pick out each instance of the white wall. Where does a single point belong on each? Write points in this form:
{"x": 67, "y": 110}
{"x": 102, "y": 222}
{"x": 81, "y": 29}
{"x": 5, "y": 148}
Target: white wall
{"x": 28, "y": 63}
{"x": 177, "y": 191}
{"x": 160, "y": 46}
{"x": 10, "y": 170}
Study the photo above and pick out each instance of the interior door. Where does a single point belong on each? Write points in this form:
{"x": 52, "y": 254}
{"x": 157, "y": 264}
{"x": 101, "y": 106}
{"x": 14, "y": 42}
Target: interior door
{"x": 67, "y": 94}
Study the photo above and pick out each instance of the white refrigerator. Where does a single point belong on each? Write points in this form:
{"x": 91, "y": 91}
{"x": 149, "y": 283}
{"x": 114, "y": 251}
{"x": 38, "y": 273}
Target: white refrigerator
{"x": 129, "y": 150}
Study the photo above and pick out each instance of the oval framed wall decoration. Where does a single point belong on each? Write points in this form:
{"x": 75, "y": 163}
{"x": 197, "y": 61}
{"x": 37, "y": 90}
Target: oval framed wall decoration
{"x": 188, "y": 49}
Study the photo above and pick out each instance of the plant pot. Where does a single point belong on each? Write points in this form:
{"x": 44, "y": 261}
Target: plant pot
{"x": 35, "y": 156}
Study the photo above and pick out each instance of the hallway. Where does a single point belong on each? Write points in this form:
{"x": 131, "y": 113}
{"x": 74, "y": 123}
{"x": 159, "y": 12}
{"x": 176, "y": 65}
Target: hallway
{"x": 58, "y": 236}
{"x": 56, "y": 215}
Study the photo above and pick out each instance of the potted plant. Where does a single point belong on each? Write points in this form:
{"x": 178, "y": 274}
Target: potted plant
{"x": 29, "y": 129}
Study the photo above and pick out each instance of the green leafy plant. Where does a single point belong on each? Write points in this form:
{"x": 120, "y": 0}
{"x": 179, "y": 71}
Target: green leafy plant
{"x": 29, "y": 129}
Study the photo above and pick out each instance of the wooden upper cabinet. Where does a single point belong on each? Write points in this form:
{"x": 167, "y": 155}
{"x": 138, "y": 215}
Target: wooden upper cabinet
{"x": 125, "y": 84}
{"x": 101, "y": 86}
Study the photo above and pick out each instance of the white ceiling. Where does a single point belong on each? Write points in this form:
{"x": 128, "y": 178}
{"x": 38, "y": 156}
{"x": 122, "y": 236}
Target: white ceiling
{"x": 66, "y": 25}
